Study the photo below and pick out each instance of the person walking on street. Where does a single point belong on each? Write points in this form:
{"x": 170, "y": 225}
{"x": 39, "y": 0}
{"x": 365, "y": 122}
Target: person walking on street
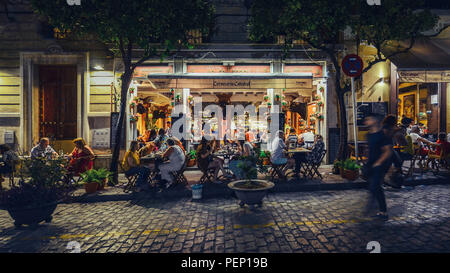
{"x": 379, "y": 161}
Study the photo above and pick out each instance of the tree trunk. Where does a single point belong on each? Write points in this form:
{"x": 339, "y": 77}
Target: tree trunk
{"x": 126, "y": 79}
{"x": 343, "y": 131}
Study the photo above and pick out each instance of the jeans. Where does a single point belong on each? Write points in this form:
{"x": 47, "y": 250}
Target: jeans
{"x": 375, "y": 180}
{"x": 142, "y": 173}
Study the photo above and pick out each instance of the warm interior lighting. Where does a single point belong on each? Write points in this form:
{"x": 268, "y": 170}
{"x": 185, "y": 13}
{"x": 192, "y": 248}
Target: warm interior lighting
{"x": 99, "y": 67}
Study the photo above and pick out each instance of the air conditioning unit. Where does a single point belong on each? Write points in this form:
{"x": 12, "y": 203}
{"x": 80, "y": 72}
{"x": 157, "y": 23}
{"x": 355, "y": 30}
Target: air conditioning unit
{"x": 9, "y": 137}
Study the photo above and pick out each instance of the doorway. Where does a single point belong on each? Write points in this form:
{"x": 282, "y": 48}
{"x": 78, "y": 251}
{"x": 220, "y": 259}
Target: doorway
{"x": 58, "y": 105}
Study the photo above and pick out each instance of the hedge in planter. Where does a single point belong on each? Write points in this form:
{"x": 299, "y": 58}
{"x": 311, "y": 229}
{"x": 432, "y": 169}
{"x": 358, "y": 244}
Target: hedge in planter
{"x": 40, "y": 188}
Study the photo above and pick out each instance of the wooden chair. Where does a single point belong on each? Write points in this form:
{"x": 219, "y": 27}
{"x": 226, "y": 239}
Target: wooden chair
{"x": 312, "y": 167}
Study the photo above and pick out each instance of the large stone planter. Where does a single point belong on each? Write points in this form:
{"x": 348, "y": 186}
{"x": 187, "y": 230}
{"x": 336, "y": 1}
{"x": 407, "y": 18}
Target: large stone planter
{"x": 250, "y": 196}
{"x": 32, "y": 216}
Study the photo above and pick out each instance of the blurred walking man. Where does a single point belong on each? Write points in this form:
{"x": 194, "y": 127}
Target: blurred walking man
{"x": 379, "y": 161}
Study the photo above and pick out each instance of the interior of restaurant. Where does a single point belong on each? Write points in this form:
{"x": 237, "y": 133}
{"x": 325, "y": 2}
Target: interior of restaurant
{"x": 151, "y": 105}
{"x": 420, "y": 102}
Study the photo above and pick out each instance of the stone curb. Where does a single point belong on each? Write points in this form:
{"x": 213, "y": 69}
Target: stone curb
{"x": 214, "y": 191}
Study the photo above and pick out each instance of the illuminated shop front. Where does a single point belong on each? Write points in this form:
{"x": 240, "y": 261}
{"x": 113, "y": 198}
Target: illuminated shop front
{"x": 299, "y": 92}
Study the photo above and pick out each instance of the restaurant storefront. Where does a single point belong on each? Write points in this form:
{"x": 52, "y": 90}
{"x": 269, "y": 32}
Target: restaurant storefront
{"x": 295, "y": 98}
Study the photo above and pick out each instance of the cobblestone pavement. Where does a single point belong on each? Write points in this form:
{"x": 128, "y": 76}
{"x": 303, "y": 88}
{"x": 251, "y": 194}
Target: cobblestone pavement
{"x": 292, "y": 222}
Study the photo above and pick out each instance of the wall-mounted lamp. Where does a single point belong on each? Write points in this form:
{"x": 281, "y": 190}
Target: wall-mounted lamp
{"x": 99, "y": 67}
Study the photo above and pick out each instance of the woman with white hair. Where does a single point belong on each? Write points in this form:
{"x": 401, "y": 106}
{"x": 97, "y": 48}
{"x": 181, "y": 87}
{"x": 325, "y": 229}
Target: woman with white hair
{"x": 176, "y": 161}
{"x": 277, "y": 157}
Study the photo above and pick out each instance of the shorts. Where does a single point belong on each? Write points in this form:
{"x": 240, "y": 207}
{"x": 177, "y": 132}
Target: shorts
{"x": 279, "y": 161}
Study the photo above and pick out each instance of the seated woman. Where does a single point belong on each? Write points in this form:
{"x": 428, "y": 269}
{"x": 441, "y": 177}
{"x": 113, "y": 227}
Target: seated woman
{"x": 245, "y": 150}
{"x": 176, "y": 158}
{"x": 317, "y": 150}
{"x": 205, "y": 159}
{"x": 147, "y": 149}
{"x": 81, "y": 158}
{"x": 441, "y": 150}
{"x": 132, "y": 166}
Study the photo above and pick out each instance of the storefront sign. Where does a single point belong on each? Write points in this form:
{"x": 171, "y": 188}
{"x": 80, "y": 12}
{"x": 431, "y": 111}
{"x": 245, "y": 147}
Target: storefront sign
{"x": 144, "y": 71}
{"x": 298, "y": 83}
{"x": 424, "y": 76}
{"x": 316, "y": 70}
{"x": 231, "y": 84}
{"x": 446, "y": 76}
{"x": 228, "y": 69}
{"x": 411, "y": 76}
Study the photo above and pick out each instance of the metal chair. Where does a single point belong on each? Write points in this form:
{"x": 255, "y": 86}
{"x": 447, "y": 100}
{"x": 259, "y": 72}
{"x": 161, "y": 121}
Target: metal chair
{"x": 312, "y": 167}
{"x": 276, "y": 171}
{"x": 179, "y": 175}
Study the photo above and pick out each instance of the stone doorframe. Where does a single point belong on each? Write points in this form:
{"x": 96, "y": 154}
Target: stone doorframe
{"x": 29, "y": 113}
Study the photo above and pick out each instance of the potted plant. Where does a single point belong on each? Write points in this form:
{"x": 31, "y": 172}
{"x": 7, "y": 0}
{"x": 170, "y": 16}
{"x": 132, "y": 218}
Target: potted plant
{"x": 191, "y": 157}
{"x": 350, "y": 169}
{"x": 95, "y": 179}
{"x": 36, "y": 196}
{"x": 251, "y": 190}
{"x": 337, "y": 166}
{"x": 265, "y": 157}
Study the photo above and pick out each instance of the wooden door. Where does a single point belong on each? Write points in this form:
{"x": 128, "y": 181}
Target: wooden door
{"x": 58, "y": 102}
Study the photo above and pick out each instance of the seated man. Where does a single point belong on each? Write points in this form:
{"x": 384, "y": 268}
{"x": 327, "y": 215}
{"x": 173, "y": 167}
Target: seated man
{"x": 160, "y": 140}
{"x": 131, "y": 165}
{"x": 442, "y": 148}
{"x": 308, "y": 138}
{"x": 9, "y": 159}
{"x": 292, "y": 139}
{"x": 43, "y": 149}
{"x": 278, "y": 148}
{"x": 176, "y": 158}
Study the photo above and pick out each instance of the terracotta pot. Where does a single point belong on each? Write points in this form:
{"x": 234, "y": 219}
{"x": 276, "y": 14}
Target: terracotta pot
{"x": 266, "y": 161}
{"x": 91, "y": 187}
{"x": 101, "y": 186}
{"x": 351, "y": 174}
{"x": 191, "y": 162}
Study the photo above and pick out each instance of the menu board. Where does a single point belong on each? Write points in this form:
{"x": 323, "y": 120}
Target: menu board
{"x": 366, "y": 108}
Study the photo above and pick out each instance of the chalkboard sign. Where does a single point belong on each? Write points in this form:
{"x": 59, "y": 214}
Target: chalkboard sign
{"x": 365, "y": 108}
{"x": 114, "y": 127}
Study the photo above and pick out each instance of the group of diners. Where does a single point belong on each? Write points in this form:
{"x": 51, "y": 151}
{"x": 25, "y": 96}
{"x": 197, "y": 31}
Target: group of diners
{"x": 280, "y": 149}
{"x": 171, "y": 159}
{"x": 80, "y": 159}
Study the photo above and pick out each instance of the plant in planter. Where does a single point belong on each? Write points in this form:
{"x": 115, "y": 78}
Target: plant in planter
{"x": 337, "y": 166}
{"x": 95, "y": 179}
{"x": 36, "y": 196}
{"x": 191, "y": 157}
{"x": 251, "y": 191}
{"x": 350, "y": 169}
{"x": 265, "y": 157}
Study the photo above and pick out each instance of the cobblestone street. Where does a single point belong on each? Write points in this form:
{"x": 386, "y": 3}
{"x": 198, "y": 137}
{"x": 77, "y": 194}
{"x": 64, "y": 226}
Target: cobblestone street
{"x": 327, "y": 221}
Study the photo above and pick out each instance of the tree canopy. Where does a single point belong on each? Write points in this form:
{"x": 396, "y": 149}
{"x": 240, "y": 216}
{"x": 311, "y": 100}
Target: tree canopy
{"x": 148, "y": 25}
{"x": 321, "y": 23}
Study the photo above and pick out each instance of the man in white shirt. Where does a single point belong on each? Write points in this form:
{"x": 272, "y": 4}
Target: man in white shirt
{"x": 416, "y": 138}
{"x": 308, "y": 138}
{"x": 43, "y": 149}
{"x": 278, "y": 148}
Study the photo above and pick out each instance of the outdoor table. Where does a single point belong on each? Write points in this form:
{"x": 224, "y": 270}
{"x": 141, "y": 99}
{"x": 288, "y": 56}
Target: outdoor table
{"x": 299, "y": 154}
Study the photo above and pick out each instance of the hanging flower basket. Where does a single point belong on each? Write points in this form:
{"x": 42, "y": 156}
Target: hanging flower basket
{"x": 266, "y": 98}
{"x": 320, "y": 104}
{"x": 132, "y": 90}
{"x": 321, "y": 89}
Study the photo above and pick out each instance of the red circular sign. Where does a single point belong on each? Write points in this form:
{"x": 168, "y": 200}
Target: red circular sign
{"x": 352, "y": 65}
